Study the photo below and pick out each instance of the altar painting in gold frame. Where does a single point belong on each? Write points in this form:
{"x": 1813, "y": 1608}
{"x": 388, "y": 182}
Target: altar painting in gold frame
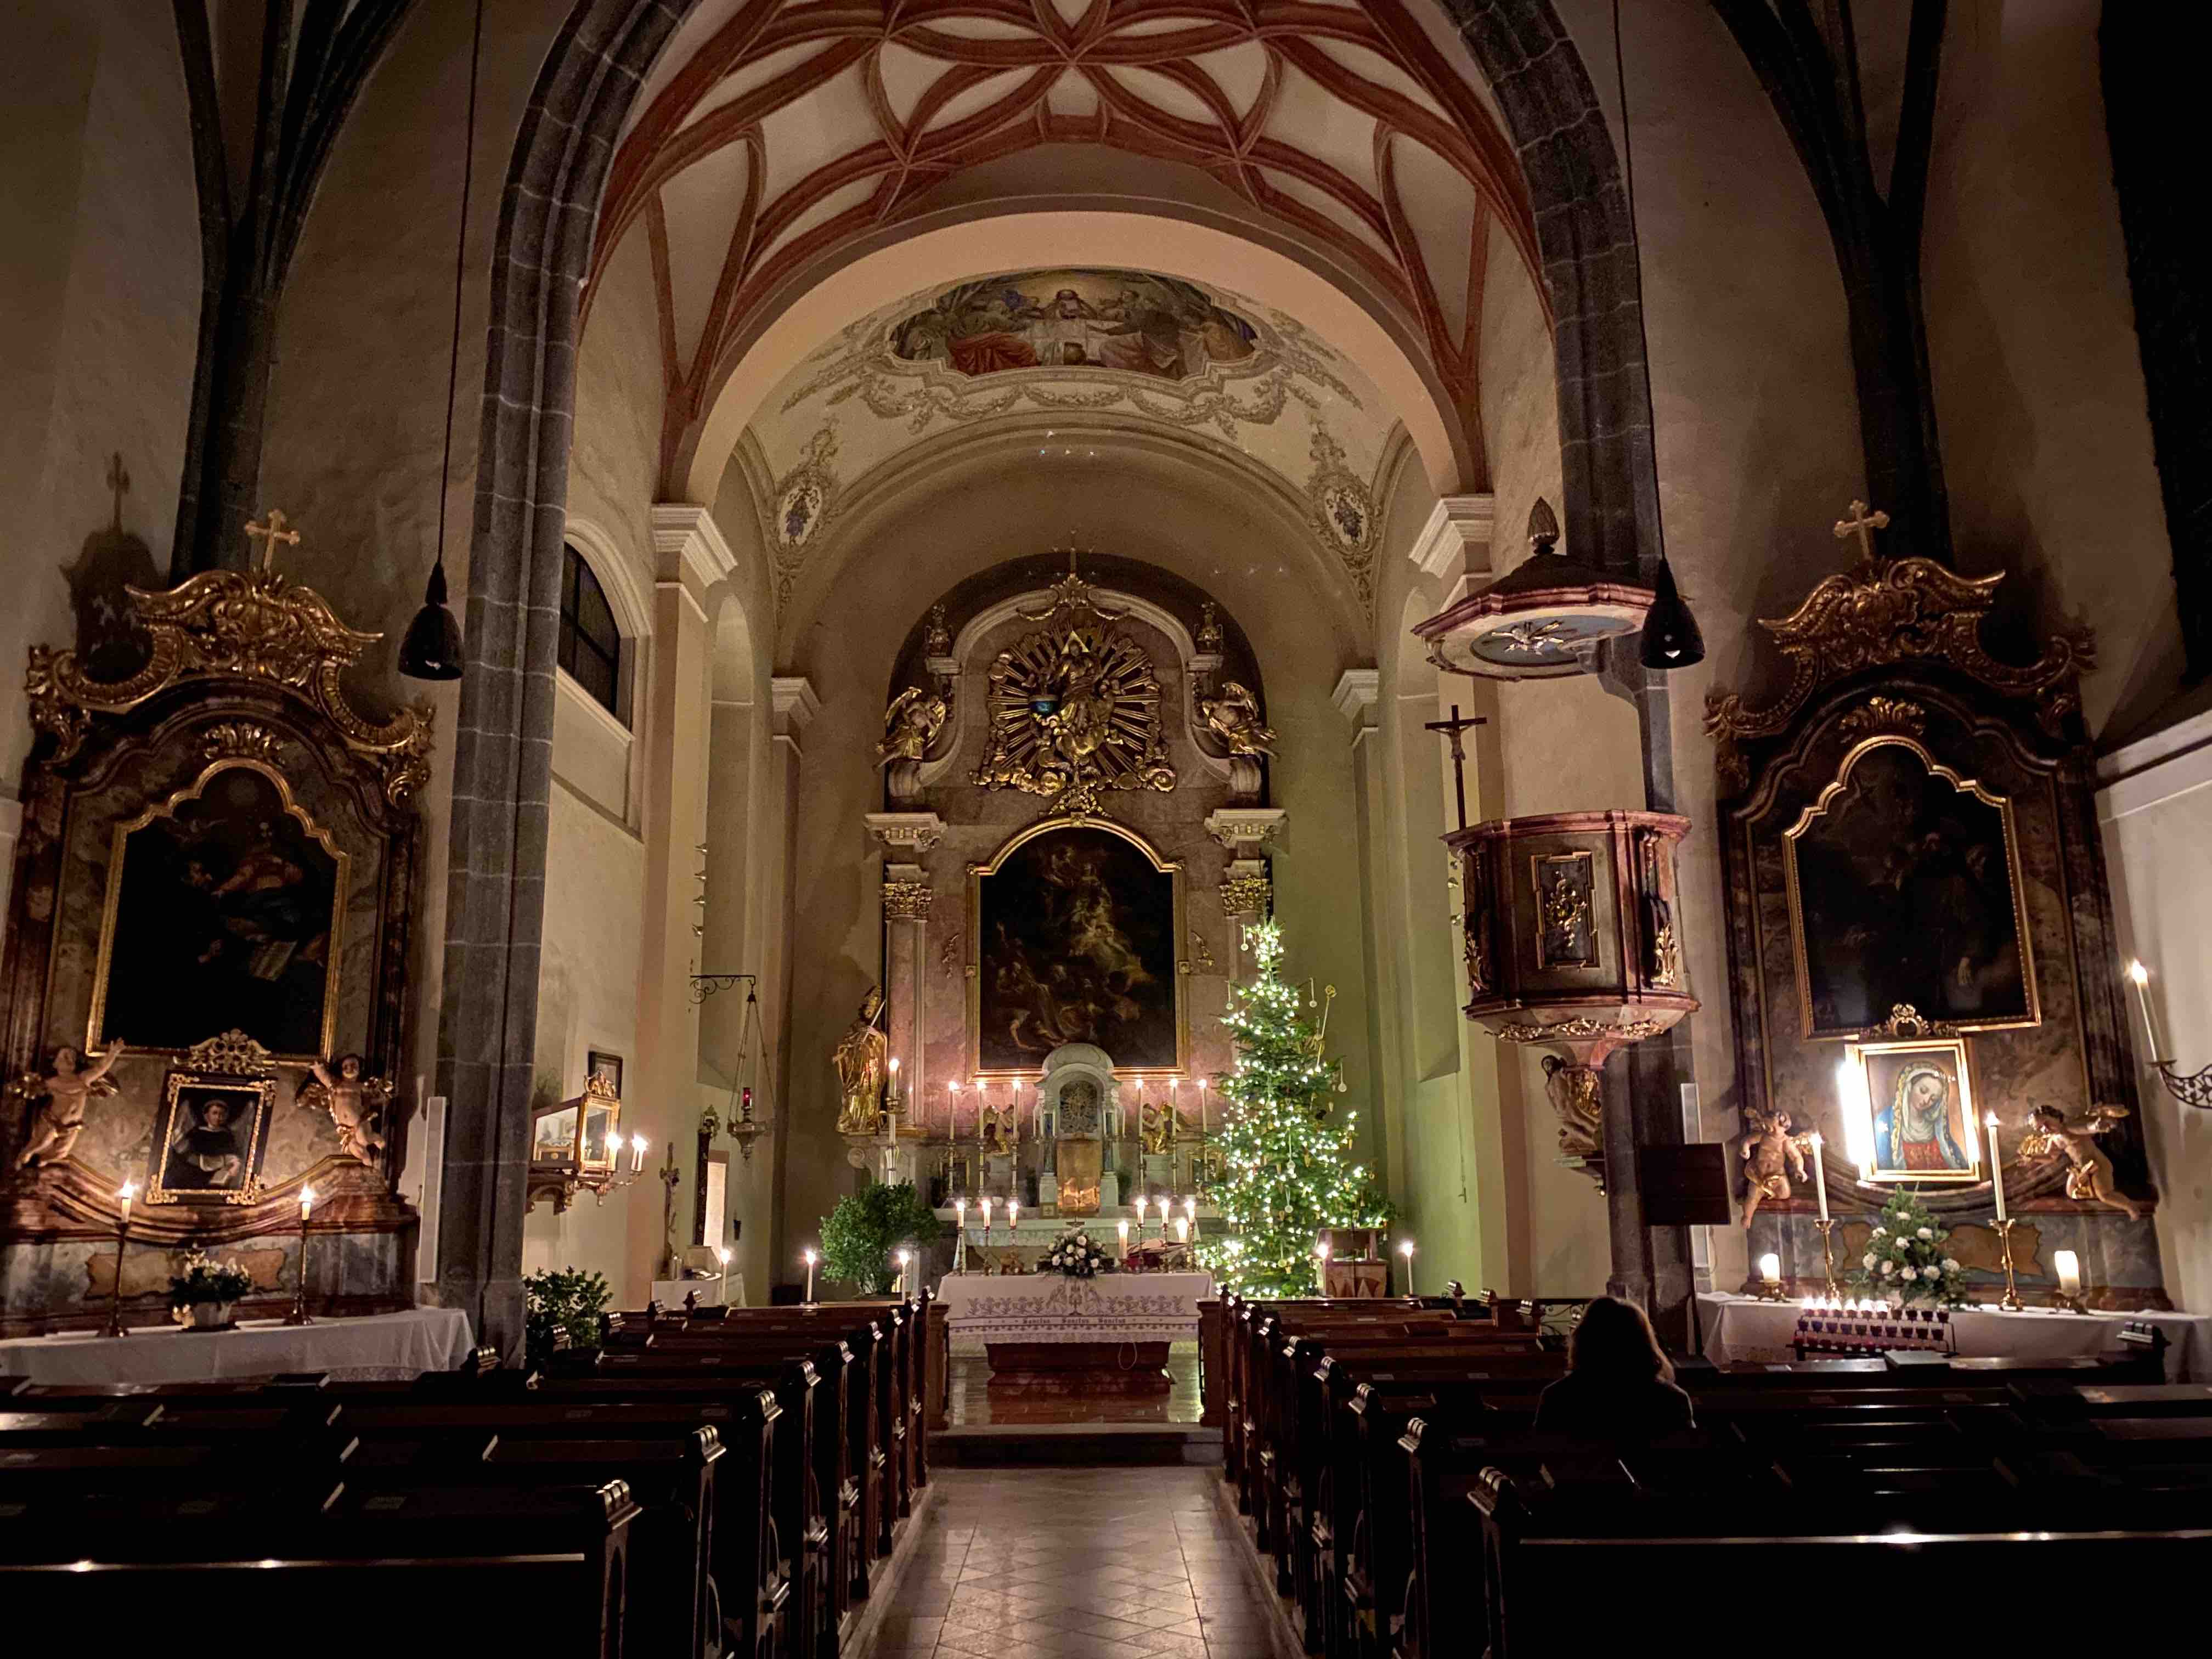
{"x": 1913, "y": 1116}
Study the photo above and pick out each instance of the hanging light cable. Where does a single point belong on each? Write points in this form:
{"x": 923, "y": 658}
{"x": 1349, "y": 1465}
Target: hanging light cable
{"x": 1671, "y": 636}
{"x": 432, "y": 648}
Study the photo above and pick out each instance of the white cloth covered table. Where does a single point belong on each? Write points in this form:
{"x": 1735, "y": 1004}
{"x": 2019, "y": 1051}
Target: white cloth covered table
{"x": 1745, "y": 1329}
{"x": 1053, "y": 1308}
{"x": 392, "y": 1345}
{"x": 727, "y": 1292}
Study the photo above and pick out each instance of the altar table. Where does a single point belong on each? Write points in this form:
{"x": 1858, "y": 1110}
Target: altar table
{"x": 374, "y": 1346}
{"x": 1049, "y": 1333}
{"x": 1745, "y": 1329}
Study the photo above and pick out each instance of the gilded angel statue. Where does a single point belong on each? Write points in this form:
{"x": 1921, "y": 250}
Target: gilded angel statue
{"x": 357, "y": 1103}
{"x": 911, "y": 724}
{"x": 2054, "y": 1138}
{"x": 1234, "y": 717}
{"x": 1773, "y": 1158}
{"x": 65, "y": 1092}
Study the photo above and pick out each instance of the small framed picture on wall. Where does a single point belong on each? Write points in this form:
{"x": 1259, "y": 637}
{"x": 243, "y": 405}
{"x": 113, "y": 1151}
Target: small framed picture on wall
{"x": 599, "y": 1062}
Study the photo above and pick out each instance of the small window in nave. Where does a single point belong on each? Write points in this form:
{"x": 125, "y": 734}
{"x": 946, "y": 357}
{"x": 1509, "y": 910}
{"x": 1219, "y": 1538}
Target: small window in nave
{"x": 591, "y": 645}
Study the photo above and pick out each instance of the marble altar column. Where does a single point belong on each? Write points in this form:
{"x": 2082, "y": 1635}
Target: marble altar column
{"x": 907, "y": 898}
{"x": 1247, "y": 890}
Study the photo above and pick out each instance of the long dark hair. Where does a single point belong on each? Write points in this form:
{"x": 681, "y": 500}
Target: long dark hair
{"x": 1614, "y": 1343}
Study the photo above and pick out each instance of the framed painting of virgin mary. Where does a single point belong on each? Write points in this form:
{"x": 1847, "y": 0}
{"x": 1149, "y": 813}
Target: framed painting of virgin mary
{"x": 1918, "y": 1122}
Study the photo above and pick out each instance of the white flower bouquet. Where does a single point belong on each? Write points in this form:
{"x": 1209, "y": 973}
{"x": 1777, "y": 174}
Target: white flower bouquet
{"x": 1905, "y": 1260}
{"x": 1075, "y": 1255}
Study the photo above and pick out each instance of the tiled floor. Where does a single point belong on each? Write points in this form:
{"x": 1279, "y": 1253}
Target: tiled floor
{"x": 1075, "y": 1563}
{"x": 969, "y": 1405}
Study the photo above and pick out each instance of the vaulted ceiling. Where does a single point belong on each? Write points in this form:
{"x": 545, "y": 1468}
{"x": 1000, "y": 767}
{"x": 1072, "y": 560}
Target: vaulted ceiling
{"x": 775, "y": 133}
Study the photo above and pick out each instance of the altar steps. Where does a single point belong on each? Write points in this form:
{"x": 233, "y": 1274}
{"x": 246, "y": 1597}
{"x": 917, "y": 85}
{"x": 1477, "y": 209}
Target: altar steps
{"x": 1110, "y": 1445}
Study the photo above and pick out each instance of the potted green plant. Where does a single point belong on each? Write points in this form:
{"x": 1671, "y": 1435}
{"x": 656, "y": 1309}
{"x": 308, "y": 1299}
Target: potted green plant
{"x": 202, "y": 1296}
{"x": 859, "y": 1236}
{"x": 562, "y": 1299}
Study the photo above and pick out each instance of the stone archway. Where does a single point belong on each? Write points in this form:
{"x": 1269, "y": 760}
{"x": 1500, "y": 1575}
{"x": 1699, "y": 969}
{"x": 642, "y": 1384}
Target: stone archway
{"x": 502, "y": 753}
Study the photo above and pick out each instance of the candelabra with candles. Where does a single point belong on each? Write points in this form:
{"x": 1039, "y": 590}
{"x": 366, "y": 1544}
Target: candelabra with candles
{"x": 2011, "y": 1304}
{"x": 122, "y": 1197}
{"x": 2190, "y": 1087}
{"x": 300, "y": 1316}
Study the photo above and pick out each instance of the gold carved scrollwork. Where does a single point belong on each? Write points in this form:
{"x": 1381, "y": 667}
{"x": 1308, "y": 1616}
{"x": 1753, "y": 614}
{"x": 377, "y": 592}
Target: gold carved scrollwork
{"x": 907, "y": 901}
{"x": 1246, "y": 895}
{"x": 1885, "y": 717}
{"x": 911, "y": 724}
{"x": 1075, "y": 708}
{"x": 1662, "y": 951}
{"x": 240, "y": 740}
{"x": 1887, "y": 611}
{"x": 1906, "y": 1021}
{"x": 1626, "y": 1030}
{"x": 249, "y": 624}
{"x": 232, "y": 1055}
{"x": 1476, "y": 925}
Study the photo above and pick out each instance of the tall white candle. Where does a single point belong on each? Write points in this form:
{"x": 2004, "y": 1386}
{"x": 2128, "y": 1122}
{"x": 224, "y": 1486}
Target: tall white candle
{"x": 2139, "y": 977}
{"x": 1182, "y": 1230}
{"x": 307, "y": 1202}
{"x": 1013, "y": 1215}
{"x": 988, "y": 1200}
{"x": 123, "y": 1194}
{"x": 1123, "y": 1227}
{"x": 1996, "y": 1164}
{"x": 2069, "y": 1272}
{"x": 1819, "y": 1176}
{"x": 1405, "y": 1250}
{"x": 808, "y": 1254}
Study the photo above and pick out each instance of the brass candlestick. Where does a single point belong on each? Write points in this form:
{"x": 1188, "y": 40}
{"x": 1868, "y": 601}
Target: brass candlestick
{"x": 1827, "y": 1227}
{"x": 2011, "y": 1302}
{"x": 300, "y": 1316}
{"x": 115, "y": 1313}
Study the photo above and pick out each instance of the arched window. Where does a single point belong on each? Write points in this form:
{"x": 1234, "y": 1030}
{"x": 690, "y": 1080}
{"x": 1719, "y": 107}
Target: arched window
{"x": 591, "y": 644}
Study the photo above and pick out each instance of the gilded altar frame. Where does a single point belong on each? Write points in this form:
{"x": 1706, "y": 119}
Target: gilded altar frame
{"x": 261, "y": 1092}
{"x": 978, "y": 873}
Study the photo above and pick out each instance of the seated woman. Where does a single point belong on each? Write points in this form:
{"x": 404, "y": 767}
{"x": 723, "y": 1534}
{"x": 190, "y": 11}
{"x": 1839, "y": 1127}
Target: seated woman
{"x": 1618, "y": 1385}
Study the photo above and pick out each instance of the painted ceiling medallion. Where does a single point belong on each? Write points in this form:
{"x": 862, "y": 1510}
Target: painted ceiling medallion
{"x": 1541, "y": 620}
{"x": 1075, "y": 708}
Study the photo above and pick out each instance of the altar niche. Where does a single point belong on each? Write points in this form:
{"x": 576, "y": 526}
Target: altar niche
{"x": 1073, "y": 925}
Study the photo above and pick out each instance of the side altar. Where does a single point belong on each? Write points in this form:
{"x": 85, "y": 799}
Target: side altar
{"x": 1050, "y": 1333}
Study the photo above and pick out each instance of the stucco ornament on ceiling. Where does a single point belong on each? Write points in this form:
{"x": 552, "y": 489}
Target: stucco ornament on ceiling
{"x": 1344, "y": 513}
{"x": 804, "y": 498}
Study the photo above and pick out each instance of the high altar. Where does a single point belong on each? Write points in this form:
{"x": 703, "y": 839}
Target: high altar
{"x": 1075, "y": 837}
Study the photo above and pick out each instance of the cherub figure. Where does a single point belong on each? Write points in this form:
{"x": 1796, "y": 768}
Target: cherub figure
{"x": 1773, "y": 1158}
{"x": 63, "y": 1094}
{"x": 1001, "y": 1132}
{"x": 1573, "y": 1092}
{"x": 356, "y": 1104}
{"x": 1156, "y": 1127}
{"x": 910, "y": 725}
{"x": 1234, "y": 717}
{"x": 2089, "y": 1178}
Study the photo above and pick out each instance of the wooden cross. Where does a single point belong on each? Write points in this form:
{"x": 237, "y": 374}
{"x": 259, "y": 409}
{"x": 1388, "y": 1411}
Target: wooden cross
{"x": 1453, "y": 728}
{"x": 268, "y": 535}
{"x": 118, "y": 480}
{"x": 1863, "y": 524}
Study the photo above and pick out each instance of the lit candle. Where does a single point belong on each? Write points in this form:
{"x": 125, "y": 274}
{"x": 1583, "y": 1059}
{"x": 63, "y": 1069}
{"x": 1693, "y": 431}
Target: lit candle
{"x": 904, "y": 1257}
{"x": 636, "y": 1153}
{"x": 1143, "y": 1204}
{"x": 1190, "y": 1209}
{"x": 894, "y": 1088}
{"x": 1013, "y": 1215}
{"x": 2069, "y": 1272}
{"x": 723, "y": 1252}
{"x": 1996, "y": 1164}
{"x": 988, "y": 1200}
{"x": 959, "y": 1210}
{"x": 1182, "y": 1230}
{"x": 808, "y": 1254}
{"x": 2140, "y": 977}
{"x": 123, "y": 1194}
{"x": 1405, "y": 1250}
{"x": 1123, "y": 1227}
{"x": 1175, "y": 1123}
{"x": 1819, "y": 1176}
{"x": 306, "y": 1201}
{"x": 1769, "y": 1267}
{"x": 1321, "y": 1249}
{"x": 1858, "y": 1130}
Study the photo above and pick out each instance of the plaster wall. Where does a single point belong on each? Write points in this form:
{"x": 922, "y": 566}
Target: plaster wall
{"x": 2031, "y": 336}
{"x": 1156, "y": 508}
{"x": 2156, "y": 815}
{"x": 99, "y": 305}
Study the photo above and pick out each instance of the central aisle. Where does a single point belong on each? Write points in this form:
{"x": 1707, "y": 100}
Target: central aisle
{"x": 1075, "y": 1563}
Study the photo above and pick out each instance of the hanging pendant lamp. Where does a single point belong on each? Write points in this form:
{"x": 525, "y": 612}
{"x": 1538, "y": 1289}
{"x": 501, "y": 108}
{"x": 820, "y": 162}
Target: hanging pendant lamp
{"x": 432, "y": 649}
{"x": 1671, "y": 636}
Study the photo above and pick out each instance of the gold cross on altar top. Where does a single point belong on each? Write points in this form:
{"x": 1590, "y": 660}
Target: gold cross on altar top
{"x": 1863, "y": 524}
{"x": 268, "y": 535}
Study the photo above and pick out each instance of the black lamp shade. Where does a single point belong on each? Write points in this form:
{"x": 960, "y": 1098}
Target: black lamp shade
{"x": 1671, "y": 639}
{"x": 432, "y": 649}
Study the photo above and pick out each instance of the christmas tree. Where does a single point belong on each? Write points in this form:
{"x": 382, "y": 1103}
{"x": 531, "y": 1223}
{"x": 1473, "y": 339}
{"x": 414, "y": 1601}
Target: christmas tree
{"x": 1289, "y": 1170}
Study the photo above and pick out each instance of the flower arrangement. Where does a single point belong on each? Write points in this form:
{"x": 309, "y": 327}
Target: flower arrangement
{"x": 1075, "y": 1255}
{"x": 206, "y": 1280}
{"x": 1905, "y": 1260}
{"x": 563, "y": 1299}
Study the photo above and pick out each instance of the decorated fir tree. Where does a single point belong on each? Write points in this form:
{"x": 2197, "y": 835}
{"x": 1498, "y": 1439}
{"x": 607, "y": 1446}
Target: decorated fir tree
{"x": 1286, "y": 1150}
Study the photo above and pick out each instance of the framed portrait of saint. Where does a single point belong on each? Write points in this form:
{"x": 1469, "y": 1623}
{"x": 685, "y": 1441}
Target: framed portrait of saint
{"x": 1073, "y": 929}
{"x": 207, "y": 1146}
{"x": 600, "y": 1063}
{"x": 225, "y": 912}
{"x": 1905, "y": 890}
{"x": 1920, "y": 1120}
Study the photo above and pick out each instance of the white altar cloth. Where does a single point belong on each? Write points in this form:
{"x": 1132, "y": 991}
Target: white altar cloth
{"x": 1053, "y": 1308}
{"x": 393, "y": 1345}
{"x": 1745, "y": 1329}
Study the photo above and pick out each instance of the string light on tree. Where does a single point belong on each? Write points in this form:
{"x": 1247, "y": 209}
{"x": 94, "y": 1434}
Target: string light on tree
{"x": 1287, "y": 1151}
